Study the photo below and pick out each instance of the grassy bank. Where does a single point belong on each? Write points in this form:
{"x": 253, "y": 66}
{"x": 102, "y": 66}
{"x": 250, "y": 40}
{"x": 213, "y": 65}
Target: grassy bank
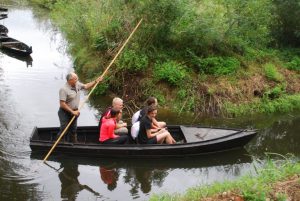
{"x": 272, "y": 181}
{"x": 210, "y": 57}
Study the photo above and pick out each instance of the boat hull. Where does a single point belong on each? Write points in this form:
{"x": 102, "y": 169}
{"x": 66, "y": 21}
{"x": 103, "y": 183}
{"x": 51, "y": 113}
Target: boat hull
{"x": 88, "y": 149}
{"x": 14, "y": 46}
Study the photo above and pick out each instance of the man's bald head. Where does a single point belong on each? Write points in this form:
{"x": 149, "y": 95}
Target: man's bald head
{"x": 117, "y": 103}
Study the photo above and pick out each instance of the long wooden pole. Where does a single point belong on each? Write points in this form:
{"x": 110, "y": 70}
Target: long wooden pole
{"x": 87, "y": 97}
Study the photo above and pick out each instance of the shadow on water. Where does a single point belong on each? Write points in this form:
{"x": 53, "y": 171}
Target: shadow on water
{"x": 70, "y": 185}
{"x": 215, "y": 159}
{"x": 139, "y": 175}
{"x": 27, "y": 59}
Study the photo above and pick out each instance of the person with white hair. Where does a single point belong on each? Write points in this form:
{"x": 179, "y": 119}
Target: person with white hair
{"x": 121, "y": 127}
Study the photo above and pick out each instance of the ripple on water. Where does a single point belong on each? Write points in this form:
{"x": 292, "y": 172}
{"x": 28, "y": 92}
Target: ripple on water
{"x": 14, "y": 145}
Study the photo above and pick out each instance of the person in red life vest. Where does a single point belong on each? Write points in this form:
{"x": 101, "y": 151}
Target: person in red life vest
{"x": 107, "y": 131}
{"x": 121, "y": 127}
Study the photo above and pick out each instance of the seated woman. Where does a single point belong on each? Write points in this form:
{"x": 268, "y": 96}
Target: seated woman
{"x": 156, "y": 125}
{"x": 107, "y": 135}
{"x": 139, "y": 114}
{"x": 147, "y": 135}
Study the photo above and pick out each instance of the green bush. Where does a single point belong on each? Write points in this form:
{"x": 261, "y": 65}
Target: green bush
{"x": 272, "y": 74}
{"x": 133, "y": 61}
{"x": 100, "y": 43}
{"x": 218, "y": 65}
{"x": 294, "y": 64}
{"x": 181, "y": 94}
{"x": 170, "y": 71}
{"x": 260, "y": 55}
{"x": 276, "y": 92}
{"x": 101, "y": 88}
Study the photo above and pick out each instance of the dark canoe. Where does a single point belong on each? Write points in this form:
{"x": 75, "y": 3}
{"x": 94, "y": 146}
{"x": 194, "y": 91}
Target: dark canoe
{"x": 3, "y": 9}
{"x": 193, "y": 140}
{"x": 3, "y": 16}
{"x": 14, "y": 46}
{"x": 3, "y": 30}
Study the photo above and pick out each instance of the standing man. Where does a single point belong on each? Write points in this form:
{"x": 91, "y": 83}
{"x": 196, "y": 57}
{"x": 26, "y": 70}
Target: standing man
{"x": 69, "y": 99}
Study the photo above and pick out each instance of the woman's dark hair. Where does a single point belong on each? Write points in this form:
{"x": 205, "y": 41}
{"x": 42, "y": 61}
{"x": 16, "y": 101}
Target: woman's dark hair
{"x": 150, "y": 101}
{"x": 114, "y": 113}
{"x": 151, "y": 108}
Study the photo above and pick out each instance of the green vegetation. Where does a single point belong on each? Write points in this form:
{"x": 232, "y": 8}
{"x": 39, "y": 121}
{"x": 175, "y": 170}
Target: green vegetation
{"x": 272, "y": 73}
{"x": 294, "y": 64}
{"x": 258, "y": 186}
{"x": 215, "y": 57}
{"x": 218, "y": 65}
{"x": 171, "y": 72}
{"x": 284, "y": 104}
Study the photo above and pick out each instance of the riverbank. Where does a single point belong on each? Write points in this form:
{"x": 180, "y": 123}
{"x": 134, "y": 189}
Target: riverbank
{"x": 192, "y": 59}
{"x": 275, "y": 180}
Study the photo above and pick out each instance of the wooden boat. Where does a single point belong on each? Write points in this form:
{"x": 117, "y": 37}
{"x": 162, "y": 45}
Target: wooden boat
{"x": 192, "y": 140}
{"x": 15, "y": 46}
{"x": 3, "y": 30}
{"x": 3, "y": 9}
{"x": 3, "y": 16}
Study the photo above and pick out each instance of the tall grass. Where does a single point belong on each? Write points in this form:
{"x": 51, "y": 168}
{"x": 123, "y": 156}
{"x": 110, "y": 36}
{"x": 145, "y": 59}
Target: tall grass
{"x": 272, "y": 73}
{"x": 283, "y": 104}
{"x": 251, "y": 186}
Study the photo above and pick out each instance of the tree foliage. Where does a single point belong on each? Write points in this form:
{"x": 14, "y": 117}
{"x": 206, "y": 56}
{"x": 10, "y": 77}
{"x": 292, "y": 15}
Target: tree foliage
{"x": 287, "y": 27}
{"x": 183, "y": 43}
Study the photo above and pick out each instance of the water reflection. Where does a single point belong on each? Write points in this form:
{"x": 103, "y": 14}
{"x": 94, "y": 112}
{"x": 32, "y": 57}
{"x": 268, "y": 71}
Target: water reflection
{"x": 144, "y": 178}
{"x": 281, "y": 137}
{"x": 27, "y": 59}
{"x": 70, "y": 186}
{"x": 126, "y": 179}
{"x": 109, "y": 175}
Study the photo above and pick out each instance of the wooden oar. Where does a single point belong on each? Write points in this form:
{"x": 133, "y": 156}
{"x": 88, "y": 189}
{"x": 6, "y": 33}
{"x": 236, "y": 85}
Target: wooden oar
{"x": 87, "y": 97}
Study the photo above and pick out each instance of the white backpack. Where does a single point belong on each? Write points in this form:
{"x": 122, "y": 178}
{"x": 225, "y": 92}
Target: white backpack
{"x": 135, "y": 117}
{"x": 135, "y": 128}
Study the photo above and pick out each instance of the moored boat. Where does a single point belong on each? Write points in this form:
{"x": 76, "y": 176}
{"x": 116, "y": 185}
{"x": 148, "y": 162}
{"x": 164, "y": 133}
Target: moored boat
{"x": 3, "y": 9}
{"x": 3, "y": 16}
{"x": 3, "y": 30}
{"x": 15, "y": 46}
{"x": 192, "y": 140}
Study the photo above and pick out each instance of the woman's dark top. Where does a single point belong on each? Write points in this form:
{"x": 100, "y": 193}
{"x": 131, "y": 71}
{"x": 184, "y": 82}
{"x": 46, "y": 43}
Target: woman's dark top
{"x": 145, "y": 124}
{"x": 143, "y": 113}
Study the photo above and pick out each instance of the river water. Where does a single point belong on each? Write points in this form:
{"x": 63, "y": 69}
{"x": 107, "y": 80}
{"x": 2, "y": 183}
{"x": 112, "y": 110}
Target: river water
{"x": 29, "y": 97}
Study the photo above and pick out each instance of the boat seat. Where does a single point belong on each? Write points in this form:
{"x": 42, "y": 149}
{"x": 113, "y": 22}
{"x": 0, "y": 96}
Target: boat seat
{"x": 194, "y": 134}
{"x": 8, "y": 43}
